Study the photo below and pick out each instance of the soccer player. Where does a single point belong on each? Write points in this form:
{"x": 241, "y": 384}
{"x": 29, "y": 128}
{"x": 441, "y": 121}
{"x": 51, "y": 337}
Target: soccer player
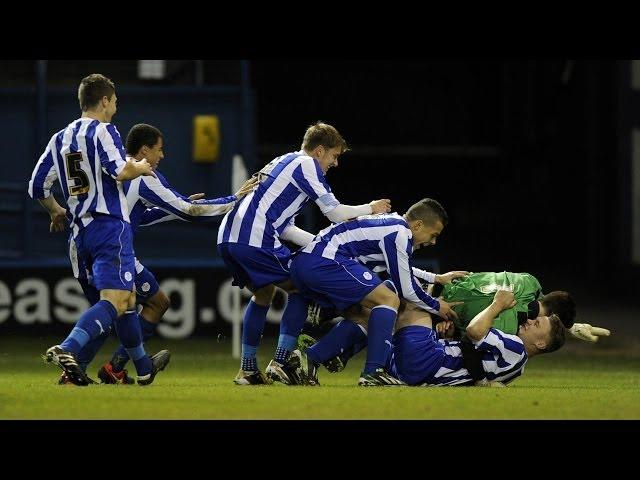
{"x": 419, "y": 358}
{"x": 476, "y": 293}
{"x": 249, "y": 239}
{"x": 88, "y": 160}
{"x": 327, "y": 271}
{"x": 146, "y": 141}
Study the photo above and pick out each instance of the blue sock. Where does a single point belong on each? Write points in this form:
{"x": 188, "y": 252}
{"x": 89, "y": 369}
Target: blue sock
{"x": 253, "y": 322}
{"x": 351, "y": 352}
{"x": 120, "y": 356}
{"x": 130, "y": 334}
{"x": 94, "y": 321}
{"x": 381, "y": 323}
{"x": 340, "y": 338}
{"x": 89, "y": 351}
{"x": 119, "y": 359}
{"x": 293, "y": 319}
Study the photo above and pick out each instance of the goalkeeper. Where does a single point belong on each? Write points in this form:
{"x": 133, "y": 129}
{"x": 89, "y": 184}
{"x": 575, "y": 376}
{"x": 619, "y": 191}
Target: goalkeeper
{"x": 476, "y": 291}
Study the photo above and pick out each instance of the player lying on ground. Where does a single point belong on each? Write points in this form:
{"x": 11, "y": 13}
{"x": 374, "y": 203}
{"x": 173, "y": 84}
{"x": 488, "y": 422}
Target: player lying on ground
{"x": 476, "y": 291}
{"x": 418, "y": 357}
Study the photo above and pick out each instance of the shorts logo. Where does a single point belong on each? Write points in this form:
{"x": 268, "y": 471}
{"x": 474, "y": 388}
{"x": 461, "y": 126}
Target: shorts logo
{"x": 127, "y": 276}
{"x": 146, "y": 287}
{"x": 367, "y": 276}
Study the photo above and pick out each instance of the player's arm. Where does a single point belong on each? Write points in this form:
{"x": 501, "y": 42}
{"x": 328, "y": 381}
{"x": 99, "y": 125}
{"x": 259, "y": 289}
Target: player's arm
{"x": 442, "y": 279}
{"x": 154, "y": 215}
{"x": 113, "y": 159}
{"x": 311, "y": 180}
{"x": 133, "y": 169}
{"x": 395, "y": 248}
{"x": 480, "y": 324}
{"x": 296, "y": 235}
{"x": 42, "y": 178}
{"x": 157, "y": 193}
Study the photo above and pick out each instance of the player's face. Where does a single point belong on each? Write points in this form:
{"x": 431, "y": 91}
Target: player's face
{"x": 154, "y": 154}
{"x": 426, "y": 235}
{"x": 111, "y": 108}
{"x": 328, "y": 157}
{"x": 536, "y": 331}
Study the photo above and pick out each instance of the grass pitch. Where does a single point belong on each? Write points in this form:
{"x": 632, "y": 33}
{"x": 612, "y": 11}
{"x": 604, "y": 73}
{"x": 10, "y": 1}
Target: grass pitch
{"x": 583, "y": 382}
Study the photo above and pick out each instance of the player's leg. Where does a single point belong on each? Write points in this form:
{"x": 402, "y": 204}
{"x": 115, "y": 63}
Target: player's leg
{"x": 113, "y": 272}
{"x": 98, "y": 245}
{"x": 293, "y": 318}
{"x": 259, "y": 270}
{"x": 343, "y": 341}
{"x": 253, "y": 321}
{"x": 154, "y": 304}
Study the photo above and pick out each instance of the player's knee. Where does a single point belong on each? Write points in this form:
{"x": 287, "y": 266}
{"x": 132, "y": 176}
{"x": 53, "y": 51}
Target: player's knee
{"x": 160, "y": 303}
{"x": 264, "y": 296}
{"x": 390, "y": 299}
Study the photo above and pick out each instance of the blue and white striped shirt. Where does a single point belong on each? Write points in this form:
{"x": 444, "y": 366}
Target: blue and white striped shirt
{"x": 375, "y": 262}
{"x": 387, "y": 235}
{"x": 287, "y": 183}
{"x": 503, "y": 360}
{"x": 147, "y": 191}
{"x": 85, "y": 157}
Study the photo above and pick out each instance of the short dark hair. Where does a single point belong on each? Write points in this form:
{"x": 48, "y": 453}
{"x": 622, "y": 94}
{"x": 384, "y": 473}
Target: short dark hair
{"x": 142, "y": 134}
{"x": 562, "y": 304}
{"x": 556, "y": 336}
{"x": 429, "y": 211}
{"x": 323, "y": 134}
{"x": 91, "y": 90}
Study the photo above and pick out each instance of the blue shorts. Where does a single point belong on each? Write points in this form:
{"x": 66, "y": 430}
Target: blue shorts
{"x": 145, "y": 282}
{"x": 416, "y": 356}
{"x": 255, "y": 267}
{"x": 339, "y": 283}
{"x": 105, "y": 247}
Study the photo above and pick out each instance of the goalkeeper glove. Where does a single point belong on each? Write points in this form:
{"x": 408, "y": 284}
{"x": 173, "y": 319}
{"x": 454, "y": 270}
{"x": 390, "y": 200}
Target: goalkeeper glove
{"x": 586, "y": 332}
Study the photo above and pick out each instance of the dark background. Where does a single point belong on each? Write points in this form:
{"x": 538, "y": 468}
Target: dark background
{"x": 530, "y": 158}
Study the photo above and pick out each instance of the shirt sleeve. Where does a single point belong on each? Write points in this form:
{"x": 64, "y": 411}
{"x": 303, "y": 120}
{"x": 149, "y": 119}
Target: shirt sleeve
{"x": 157, "y": 193}
{"x": 109, "y": 144}
{"x": 424, "y": 275}
{"x": 397, "y": 248}
{"x": 43, "y": 175}
{"x": 311, "y": 181}
{"x": 296, "y": 235}
{"x": 154, "y": 215}
{"x": 507, "y": 347}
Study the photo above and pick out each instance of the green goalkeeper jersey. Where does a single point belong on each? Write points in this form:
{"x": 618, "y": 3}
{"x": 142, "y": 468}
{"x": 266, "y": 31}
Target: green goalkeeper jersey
{"x": 478, "y": 289}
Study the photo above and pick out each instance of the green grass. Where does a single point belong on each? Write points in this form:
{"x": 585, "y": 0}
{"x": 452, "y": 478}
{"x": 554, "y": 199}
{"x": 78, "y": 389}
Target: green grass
{"x": 585, "y": 384}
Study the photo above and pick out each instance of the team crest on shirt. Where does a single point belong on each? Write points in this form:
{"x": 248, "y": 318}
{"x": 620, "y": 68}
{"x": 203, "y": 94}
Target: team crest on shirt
{"x": 128, "y": 276}
{"x": 146, "y": 287}
{"x": 367, "y": 276}
{"x": 492, "y": 287}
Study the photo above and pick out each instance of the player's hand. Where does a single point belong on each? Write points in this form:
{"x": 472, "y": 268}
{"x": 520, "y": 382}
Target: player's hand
{"x": 445, "y": 329}
{"x": 380, "y": 206}
{"x": 247, "y": 187}
{"x": 58, "y": 221}
{"x": 586, "y": 332}
{"x": 449, "y": 276}
{"x": 446, "y": 311}
{"x": 504, "y": 299}
{"x": 196, "y": 196}
{"x": 145, "y": 168}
